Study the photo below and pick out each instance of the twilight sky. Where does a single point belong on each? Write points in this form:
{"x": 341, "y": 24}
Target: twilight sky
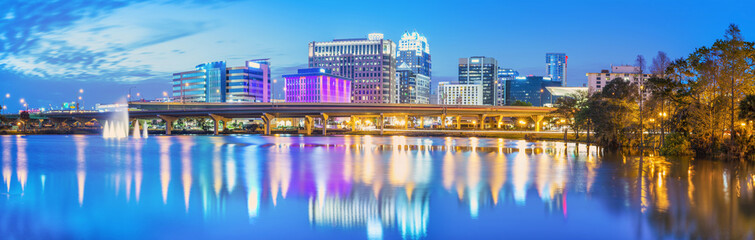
{"x": 51, "y": 49}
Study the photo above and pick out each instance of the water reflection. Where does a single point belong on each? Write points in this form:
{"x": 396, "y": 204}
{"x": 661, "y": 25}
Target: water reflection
{"x": 365, "y": 187}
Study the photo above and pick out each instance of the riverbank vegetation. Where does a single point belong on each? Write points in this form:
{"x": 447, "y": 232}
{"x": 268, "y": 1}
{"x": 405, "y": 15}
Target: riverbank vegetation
{"x": 701, "y": 104}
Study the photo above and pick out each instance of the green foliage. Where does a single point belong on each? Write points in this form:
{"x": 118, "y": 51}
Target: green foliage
{"x": 520, "y": 103}
{"x": 676, "y": 144}
{"x": 747, "y": 108}
{"x": 612, "y": 113}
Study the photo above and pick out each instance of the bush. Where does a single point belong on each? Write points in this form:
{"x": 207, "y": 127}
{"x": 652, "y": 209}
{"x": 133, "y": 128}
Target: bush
{"x": 676, "y": 145}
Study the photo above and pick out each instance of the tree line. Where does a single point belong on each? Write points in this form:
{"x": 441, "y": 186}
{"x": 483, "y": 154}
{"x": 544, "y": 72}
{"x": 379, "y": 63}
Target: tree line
{"x": 701, "y": 104}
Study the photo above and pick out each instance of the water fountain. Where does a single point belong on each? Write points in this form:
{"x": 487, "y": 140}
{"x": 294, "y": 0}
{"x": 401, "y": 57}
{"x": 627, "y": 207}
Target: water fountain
{"x": 145, "y": 134}
{"x": 137, "y": 133}
{"x": 117, "y": 126}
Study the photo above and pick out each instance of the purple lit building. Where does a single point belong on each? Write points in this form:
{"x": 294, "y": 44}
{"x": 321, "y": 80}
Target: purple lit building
{"x": 317, "y": 85}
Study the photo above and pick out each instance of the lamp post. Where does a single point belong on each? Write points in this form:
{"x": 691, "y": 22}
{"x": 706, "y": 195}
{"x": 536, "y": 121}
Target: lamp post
{"x": 3, "y": 107}
{"x": 129, "y": 93}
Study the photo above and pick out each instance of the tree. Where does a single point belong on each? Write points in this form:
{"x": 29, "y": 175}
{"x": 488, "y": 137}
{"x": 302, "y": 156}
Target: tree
{"x": 747, "y": 108}
{"x": 520, "y": 103}
{"x": 567, "y": 108}
{"x": 612, "y": 112}
{"x": 660, "y": 63}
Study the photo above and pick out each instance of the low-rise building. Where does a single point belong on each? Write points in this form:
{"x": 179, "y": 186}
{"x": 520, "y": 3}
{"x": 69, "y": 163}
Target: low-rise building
{"x": 597, "y": 81}
{"x": 459, "y": 94}
{"x": 317, "y": 85}
{"x": 552, "y": 94}
{"x": 528, "y": 89}
{"x": 214, "y": 82}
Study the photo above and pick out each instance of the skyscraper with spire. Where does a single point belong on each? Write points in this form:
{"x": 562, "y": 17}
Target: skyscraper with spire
{"x": 414, "y": 68}
{"x": 555, "y": 66}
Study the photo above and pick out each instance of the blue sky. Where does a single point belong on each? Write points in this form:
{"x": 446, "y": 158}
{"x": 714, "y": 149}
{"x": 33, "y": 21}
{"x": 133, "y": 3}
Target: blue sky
{"x": 51, "y": 49}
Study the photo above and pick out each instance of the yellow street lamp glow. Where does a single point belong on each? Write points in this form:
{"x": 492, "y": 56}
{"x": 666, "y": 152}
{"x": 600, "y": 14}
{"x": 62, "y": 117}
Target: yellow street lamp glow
{"x": 563, "y": 120}
{"x": 81, "y": 90}
{"x": 522, "y": 122}
{"x": 21, "y": 100}
{"x": 744, "y": 124}
{"x": 165, "y": 94}
{"x": 7, "y": 95}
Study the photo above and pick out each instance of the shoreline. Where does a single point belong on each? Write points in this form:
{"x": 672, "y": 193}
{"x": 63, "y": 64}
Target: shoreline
{"x": 521, "y": 135}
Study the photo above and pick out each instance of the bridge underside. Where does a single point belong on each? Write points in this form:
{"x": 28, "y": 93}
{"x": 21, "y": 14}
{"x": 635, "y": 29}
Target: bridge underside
{"x": 401, "y": 115}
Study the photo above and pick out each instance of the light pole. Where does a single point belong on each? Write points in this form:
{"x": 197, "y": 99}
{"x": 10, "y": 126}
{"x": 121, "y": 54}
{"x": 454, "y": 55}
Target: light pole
{"x": 3, "y": 107}
{"x": 129, "y": 93}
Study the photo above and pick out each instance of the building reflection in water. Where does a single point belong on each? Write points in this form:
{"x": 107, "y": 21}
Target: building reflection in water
{"x": 384, "y": 185}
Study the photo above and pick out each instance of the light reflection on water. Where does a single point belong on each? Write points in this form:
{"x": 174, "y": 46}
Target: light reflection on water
{"x": 361, "y": 187}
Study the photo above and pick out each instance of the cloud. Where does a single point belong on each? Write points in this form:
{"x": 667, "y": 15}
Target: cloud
{"x": 89, "y": 40}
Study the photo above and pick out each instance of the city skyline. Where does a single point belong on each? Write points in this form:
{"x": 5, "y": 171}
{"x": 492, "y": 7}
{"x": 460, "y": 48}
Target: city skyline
{"x": 53, "y": 51}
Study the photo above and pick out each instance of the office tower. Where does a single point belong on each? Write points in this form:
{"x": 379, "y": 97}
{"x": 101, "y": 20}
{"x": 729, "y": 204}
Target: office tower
{"x": 370, "y": 63}
{"x": 317, "y": 85}
{"x": 414, "y": 51}
{"x": 460, "y": 94}
{"x": 530, "y": 89}
{"x": 414, "y": 88}
{"x": 504, "y": 74}
{"x": 480, "y": 71}
{"x": 214, "y": 82}
{"x": 555, "y": 67}
{"x": 249, "y": 83}
{"x": 596, "y": 81}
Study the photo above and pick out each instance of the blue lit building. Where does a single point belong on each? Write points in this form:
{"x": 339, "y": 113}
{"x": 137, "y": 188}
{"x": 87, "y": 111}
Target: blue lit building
{"x": 214, "y": 82}
{"x": 529, "y": 89}
{"x": 555, "y": 66}
{"x": 504, "y": 74}
{"x": 480, "y": 71}
{"x": 414, "y": 88}
{"x": 414, "y": 51}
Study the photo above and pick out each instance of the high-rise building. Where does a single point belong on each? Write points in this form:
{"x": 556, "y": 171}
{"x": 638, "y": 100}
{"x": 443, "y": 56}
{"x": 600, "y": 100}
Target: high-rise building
{"x": 317, "y": 85}
{"x": 480, "y": 71}
{"x": 530, "y": 89}
{"x": 414, "y": 51}
{"x": 460, "y": 94}
{"x": 414, "y": 88}
{"x": 555, "y": 67}
{"x": 504, "y": 74}
{"x": 596, "y": 81}
{"x": 214, "y": 82}
{"x": 370, "y": 63}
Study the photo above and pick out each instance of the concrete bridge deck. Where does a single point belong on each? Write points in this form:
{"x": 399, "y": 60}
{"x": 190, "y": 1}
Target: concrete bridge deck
{"x": 171, "y": 111}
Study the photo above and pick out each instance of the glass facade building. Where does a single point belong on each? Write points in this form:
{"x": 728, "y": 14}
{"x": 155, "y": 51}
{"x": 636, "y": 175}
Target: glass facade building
{"x": 317, "y": 85}
{"x": 480, "y": 71}
{"x": 414, "y": 51}
{"x": 504, "y": 74}
{"x": 414, "y": 87}
{"x": 529, "y": 89}
{"x": 370, "y": 63}
{"x": 214, "y": 82}
{"x": 555, "y": 67}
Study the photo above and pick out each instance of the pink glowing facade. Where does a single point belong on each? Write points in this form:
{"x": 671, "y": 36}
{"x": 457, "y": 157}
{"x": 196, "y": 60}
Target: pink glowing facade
{"x": 317, "y": 85}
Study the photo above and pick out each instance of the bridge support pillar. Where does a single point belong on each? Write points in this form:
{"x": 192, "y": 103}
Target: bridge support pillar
{"x": 267, "y": 119}
{"x": 443, "y": 121}
{"x": 216, "y": 123}
{"x": 499, "y": 121}
{"x": 353, "y": 122}
{"x": 324, "y": 124}
{"x": 481, "y": 119}
{"x": 406, "y": 121}
{"x": 309, "y": 122}
{"x": 168, "y": 123}
{"x": 538, "y": 119}
{"x": 458, "y": 122}
{"x": 421, "y": 122}
{"x": 381, "y": 121}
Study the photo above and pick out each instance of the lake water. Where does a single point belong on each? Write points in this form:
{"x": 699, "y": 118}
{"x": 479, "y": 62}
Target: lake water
{"x": 359, "y": 187}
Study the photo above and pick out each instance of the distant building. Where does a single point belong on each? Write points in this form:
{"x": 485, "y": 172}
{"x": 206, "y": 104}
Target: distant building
{"x": 529, "y": 89}
{"x": 369, "y": 62}
{"x": 316, "y": 85}
{"x": 596, "y": 81}
{"x": 552, "y": 94}
{"x": 414, "y": 88}
{"x": 555, "y": 67}
{"x": 480, "y": 71}
{"x": 214, "y": 82}
{"x": 504, "y": 74}
{"x": 460, "y": 94}
{"x": 414, "y": 51}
